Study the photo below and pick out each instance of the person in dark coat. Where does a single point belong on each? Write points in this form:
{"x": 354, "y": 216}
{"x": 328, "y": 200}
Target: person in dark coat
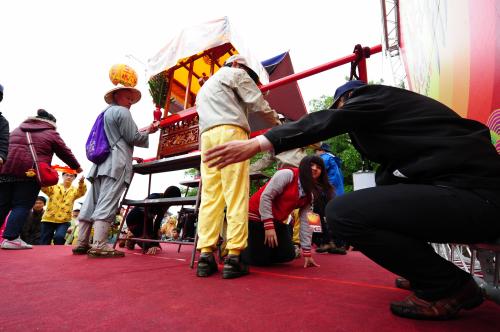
{"x": 327, "y": 240}
{"x": 438, "y": 181}
{"x": 18, "y": 185}
{"x": 4, "y": 134}
{"x": 31, "y": 232}
{"x": 135, "y": 222}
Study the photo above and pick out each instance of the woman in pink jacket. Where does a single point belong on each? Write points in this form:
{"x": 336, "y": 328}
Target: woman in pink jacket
{"x": 18, "y": 190}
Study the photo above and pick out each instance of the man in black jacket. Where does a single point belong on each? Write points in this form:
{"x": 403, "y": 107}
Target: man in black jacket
{"x": 4, "y": 134}
{"x": 438, "y": 181}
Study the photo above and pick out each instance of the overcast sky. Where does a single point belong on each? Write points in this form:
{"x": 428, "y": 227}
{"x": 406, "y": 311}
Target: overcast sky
{"x": 56, "y": 54}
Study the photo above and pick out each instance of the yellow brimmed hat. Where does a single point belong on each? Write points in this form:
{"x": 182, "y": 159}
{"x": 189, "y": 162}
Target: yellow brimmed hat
{"x": 108, "y": 97}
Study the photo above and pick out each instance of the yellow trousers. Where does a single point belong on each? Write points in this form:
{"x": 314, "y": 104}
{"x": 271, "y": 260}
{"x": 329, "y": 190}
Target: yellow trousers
{"x": 227, "y": 187}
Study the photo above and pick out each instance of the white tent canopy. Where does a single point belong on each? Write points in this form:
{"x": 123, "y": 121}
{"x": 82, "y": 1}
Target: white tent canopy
{"x": 199, "y": 38}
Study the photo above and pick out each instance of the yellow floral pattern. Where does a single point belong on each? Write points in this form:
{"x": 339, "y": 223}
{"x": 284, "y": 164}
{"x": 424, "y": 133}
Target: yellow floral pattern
{"x": 61, "y": 201}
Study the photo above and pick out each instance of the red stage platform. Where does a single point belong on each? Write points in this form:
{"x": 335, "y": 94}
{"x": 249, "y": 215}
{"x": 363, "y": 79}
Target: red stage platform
{"x": 49, "y": 289}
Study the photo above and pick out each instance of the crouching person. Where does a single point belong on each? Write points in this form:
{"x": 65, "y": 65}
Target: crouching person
{"x": 269, "y": 239}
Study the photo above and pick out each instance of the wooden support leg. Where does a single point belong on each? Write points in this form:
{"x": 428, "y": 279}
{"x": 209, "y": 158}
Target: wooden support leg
{"x": 126, "y": 212}
{"x": 196, "y": 211}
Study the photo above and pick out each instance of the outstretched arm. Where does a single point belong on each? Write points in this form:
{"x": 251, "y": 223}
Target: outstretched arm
{"x": 310, "y": 129}
{"x": 231, "y": 152}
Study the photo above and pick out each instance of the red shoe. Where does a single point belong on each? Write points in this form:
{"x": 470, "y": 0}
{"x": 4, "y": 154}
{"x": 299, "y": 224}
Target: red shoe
{"x": 402, "y": 283}
{"x": 468, "y": 297}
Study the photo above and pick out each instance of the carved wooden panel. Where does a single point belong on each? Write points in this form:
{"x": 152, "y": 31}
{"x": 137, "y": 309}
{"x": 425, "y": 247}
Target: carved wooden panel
{"x": 179, "y": 137}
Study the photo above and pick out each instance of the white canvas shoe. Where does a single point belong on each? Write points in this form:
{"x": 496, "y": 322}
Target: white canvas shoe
{"x": 15, "y": 244}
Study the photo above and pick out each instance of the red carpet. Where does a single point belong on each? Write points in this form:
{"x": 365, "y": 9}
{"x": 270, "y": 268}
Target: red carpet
{"x": 48, "y": 289}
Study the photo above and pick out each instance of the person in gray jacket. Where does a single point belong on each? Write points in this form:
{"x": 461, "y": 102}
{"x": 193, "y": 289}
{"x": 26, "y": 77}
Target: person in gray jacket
{"x": 4, "y": 134}
{"x": 110, "y": 178}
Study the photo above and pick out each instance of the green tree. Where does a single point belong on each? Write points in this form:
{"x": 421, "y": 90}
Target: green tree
{"x": 191, "y": 173}
{"x": 269, "y": 171}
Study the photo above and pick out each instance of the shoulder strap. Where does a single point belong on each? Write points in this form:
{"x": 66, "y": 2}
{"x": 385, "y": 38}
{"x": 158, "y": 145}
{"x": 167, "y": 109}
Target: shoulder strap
{"x": 33, "y": 154}
{"x": 32, "y": 149}
{"x": 119, "y": 138}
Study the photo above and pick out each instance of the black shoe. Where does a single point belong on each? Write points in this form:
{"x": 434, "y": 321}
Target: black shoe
{"x": 337, "y": 251}
{"x": 80, "y": 250}
{"x": 402, "y": 283}
{"x": 234, "y": 267}
{"x": 206, "y": 265}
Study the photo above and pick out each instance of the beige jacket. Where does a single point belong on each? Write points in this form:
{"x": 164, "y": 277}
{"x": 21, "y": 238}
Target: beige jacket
{"x": 228, "y": 97}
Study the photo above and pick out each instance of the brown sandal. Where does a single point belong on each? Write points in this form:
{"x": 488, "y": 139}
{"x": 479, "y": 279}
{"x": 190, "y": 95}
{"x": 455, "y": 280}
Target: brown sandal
{"x": 105, "y": 253}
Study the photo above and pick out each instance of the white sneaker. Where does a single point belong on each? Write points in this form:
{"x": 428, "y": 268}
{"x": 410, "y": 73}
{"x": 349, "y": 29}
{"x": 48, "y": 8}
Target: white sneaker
{"x": 15, "y": 244}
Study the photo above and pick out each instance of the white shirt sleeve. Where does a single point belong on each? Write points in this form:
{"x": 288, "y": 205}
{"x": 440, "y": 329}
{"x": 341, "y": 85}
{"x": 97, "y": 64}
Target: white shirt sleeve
{"x": 265, "y": 144}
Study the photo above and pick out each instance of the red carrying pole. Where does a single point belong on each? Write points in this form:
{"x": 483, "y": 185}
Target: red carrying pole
{"x": 319, "y": 69}
{"x": 363, "y": 75}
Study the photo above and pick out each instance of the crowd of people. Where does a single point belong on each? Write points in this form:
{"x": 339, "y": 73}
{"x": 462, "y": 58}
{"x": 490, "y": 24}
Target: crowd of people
{"x": 438, "y": 180}
{"x": 51, "y": 219}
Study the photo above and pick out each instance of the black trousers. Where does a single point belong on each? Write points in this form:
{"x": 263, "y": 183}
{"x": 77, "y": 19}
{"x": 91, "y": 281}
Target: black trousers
{"x": 327, "y": 235}
{"x": 259, "y": 254}
{"x": 393, "y": 225}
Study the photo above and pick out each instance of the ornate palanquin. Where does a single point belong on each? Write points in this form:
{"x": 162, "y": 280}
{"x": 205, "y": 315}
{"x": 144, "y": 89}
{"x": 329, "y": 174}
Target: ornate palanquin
{"x": 177, "y": 73}
{"x": 179, "y": 86}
